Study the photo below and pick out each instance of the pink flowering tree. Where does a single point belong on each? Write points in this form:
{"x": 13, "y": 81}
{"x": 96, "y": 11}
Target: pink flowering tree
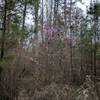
{"x": 51, "y": 30}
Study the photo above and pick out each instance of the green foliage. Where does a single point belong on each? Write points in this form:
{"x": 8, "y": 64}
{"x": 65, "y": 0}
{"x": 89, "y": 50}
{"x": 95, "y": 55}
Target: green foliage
{"x": 34, "y": 2}
{"x": 16, "y": 30}
{"x": 24, "y": 33}
{"x": 94, "y": 10}
{"x": 98, "y": 54}
{"x": 86, "y": 43}
{"x": 7, "y": 60}
{"x": 97, "y": 9}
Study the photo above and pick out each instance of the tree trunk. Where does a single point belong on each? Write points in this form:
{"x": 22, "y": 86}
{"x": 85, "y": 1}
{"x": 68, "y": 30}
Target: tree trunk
{"x": 4, "y": 31}
{"x": 70, "y": 19}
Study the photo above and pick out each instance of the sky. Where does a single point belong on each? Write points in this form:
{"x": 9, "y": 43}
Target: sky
{"x": 85, "y": 4}
{"x": 82, "y": 5}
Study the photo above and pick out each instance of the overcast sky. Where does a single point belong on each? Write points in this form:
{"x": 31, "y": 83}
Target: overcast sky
{"x": 82, "y": 6}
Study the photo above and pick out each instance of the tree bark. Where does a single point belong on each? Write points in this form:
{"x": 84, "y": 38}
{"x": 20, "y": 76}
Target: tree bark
{"x": 4, "y": 31}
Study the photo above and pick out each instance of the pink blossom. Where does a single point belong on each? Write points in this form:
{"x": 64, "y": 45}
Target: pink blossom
{"x": 51, "y": 30}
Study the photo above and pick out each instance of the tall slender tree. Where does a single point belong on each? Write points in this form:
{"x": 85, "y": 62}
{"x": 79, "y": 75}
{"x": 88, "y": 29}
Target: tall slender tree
{"x": 4, "y": 30}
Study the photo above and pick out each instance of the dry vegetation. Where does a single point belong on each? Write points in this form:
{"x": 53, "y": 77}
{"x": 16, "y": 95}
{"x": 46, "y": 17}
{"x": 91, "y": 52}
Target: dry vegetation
{"x": 55, "y": 57}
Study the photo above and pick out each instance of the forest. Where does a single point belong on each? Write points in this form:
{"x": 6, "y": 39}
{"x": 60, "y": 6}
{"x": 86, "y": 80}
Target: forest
{"x": 49, "y": 50}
